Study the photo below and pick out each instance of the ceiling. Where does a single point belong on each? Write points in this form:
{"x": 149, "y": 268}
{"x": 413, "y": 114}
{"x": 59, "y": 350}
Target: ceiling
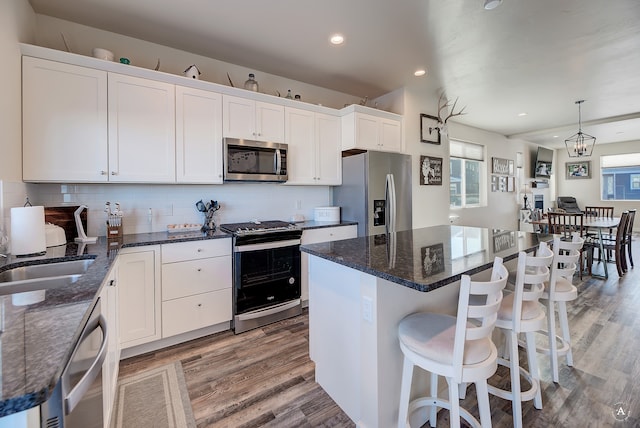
{"x": 526, "y": 56}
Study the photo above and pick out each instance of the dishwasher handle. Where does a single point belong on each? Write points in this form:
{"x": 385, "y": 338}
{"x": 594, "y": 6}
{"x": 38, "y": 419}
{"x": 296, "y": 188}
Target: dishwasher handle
{"x": 73, "y": 397}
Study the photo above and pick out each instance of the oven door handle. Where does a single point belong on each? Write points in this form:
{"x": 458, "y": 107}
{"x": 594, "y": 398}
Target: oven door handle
{"x": 266, "y": 245}
{"x": 271, "y": 310}
{"x": 73, "y": 397}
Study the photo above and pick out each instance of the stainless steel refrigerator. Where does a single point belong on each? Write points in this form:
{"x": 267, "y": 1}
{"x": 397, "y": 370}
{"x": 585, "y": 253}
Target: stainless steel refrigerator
{"x": 375, "y": 192}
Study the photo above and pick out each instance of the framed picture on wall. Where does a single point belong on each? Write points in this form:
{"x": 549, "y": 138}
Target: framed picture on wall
{"x": 430, "y": 170}
{"x": 577, "y": 170}
{"x": 429, "y": 131}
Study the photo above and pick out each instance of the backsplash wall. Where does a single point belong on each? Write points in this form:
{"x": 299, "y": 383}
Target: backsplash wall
{"x": 175, "y": 204}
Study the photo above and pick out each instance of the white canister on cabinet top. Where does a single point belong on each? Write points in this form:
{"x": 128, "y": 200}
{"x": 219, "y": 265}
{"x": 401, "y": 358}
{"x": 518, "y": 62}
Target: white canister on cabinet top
{"x": 326, "y": 214}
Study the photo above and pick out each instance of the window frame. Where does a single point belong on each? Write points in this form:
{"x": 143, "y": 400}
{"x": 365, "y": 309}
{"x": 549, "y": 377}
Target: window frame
{"x": 482, "y": 175}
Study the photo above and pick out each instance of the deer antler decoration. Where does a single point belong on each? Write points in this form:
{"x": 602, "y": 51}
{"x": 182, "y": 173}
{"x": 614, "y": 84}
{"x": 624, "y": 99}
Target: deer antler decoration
{"x": 444, "y": 104}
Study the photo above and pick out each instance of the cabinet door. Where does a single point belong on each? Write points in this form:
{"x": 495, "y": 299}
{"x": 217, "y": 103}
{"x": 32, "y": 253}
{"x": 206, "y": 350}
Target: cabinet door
{"x": 198, "y": 136}
{"x": 367, "y": 131}
{"x": 328, "y": 150}
{"x": 238, "y": 117}
{"x": 141, "y": 130}
{"x": 300, "y": 136}
{"x": 110, "y": 368}
{"x": 138, "y": 298}
{"x": 269, "y": 122}
{"x": 64, "y": 122}
{"x": 390, "y": 135}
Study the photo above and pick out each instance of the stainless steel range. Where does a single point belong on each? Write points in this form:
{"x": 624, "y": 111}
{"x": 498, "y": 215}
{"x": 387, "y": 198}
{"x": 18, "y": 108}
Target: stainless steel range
{"x": 266, "y": 272}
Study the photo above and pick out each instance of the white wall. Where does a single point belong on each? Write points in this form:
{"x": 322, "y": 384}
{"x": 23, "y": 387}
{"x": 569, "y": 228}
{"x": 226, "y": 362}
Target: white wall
{"x": 588, "y": 191}
{"x": 17, "y": 24}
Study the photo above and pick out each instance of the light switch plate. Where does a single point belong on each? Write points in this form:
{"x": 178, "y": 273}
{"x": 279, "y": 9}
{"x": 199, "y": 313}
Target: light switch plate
{"x": 367, "y": 308}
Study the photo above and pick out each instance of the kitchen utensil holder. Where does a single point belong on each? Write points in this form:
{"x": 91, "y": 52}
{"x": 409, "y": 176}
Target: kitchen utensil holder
{"x": 114, "y": 227}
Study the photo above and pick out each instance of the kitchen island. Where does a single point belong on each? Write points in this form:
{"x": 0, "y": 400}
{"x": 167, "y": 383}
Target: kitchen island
{"x": 359, "y": 290}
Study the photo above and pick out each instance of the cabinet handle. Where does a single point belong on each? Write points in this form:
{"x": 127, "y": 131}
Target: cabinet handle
{"x": 199, "y": 305}
{"x": 199, "y": 269}
{"x": 114, "y": 173}
{"x": 200, "y": 250}
{"x": 103, "y": 172}
{"x": 112, "y": 283}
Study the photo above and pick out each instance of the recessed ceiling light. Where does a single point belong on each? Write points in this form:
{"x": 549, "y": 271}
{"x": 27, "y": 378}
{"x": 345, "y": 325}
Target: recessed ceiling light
{"x": 555, "y": 136}
{"x": 492, "y": 4}
{"x": 420, "y": 72}
{"x": 522, "y": 114}
{"x": 337, "y": 39}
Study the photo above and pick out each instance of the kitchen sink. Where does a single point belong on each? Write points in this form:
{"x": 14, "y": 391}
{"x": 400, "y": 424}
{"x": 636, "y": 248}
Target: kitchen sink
{"x": 42, "y": 276}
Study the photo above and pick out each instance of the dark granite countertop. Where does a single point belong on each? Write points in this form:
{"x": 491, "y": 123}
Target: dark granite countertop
{"x": 428, "y": 258}
{"x": 37, "y": 339}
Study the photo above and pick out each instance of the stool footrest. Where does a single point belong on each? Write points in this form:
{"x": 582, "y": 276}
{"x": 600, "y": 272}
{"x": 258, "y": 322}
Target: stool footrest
{"x": 508, "y": 395}
{"x": 562, "y": 350}
{"x": 445, "y": 404}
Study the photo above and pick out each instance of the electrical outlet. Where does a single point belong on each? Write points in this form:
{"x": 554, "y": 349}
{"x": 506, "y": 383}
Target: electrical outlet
{"x": 367, "y": 308}
{"x": 298, "y": 205}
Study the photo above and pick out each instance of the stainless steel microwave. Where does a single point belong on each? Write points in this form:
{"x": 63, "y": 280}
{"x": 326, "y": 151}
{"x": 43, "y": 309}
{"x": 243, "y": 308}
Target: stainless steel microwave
{"x": 248, "y": 160}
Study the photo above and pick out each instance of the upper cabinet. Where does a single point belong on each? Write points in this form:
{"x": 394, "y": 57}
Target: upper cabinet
{"x": 314, "y": 147}
{"x": 64, "y": 114}
{"x": 198, "y": 136}
{"x": 376, "y": 130}
{"x": 141, "y": 130}
{"x": 252, "y": 120}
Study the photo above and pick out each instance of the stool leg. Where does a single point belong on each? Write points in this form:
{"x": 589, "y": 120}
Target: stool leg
{"x": 553, "y": 345}
{"x": 533, "y": 367}
{"x": 454, "y": 401}
{"x": 433, "y": 392}
{"x": 463, "y": 390}
{"x": 405, "y": 392}
{"x": 482, "y": 394}
{"x": 564, "y": 325}
{"x": 516, "y": 402}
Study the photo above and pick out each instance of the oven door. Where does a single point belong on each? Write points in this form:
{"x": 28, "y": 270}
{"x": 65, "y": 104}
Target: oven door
{"x": 266, "y": 274}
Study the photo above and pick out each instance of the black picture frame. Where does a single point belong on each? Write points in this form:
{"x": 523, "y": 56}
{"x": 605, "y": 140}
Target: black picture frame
{"x": 430, "y": 171}
{"x": 432, "y": 260}
{"x": 429, "y": 131}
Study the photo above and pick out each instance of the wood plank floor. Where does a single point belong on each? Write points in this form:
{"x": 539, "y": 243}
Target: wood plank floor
{"x": 264, "y": 378}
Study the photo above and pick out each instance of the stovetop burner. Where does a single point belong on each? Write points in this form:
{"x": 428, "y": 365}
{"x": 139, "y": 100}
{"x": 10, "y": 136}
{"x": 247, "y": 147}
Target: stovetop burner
{"x": 257, "y": 227}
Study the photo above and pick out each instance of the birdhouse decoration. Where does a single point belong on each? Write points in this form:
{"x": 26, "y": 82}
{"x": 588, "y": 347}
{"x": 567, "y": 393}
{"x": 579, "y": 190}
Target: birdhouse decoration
{"x": 192, "y": 72}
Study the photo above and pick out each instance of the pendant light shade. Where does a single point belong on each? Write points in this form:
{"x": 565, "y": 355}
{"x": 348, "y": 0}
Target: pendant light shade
{"x": 580, "y": 144}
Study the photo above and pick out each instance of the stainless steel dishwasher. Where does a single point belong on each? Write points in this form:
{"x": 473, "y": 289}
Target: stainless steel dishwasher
{"x": 77, "y": 398}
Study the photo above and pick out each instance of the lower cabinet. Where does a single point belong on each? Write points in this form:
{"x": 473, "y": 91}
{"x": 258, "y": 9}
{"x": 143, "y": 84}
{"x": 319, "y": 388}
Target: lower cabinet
{"x": 196, "y": 285}
{"x": 314, "y": 236}
{"x": 139, "y": 295}
{"x": 110, "y": 367}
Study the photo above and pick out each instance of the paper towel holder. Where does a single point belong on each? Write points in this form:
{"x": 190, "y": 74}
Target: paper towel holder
{"x": 82, "y": 236}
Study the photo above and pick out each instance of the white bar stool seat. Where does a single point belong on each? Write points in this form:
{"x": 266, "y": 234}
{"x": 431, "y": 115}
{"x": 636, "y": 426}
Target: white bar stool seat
{"x": 458, "y": 348}
{"x": 560, "y": 289}
{"x": 520, "y": 312}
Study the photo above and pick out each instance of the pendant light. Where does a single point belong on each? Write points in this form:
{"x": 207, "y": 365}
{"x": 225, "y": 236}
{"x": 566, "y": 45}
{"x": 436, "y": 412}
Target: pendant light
{"x": 580, "y": 144}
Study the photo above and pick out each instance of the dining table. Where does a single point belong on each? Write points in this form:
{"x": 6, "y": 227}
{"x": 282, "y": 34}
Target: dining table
{"x": 600, "y": 224}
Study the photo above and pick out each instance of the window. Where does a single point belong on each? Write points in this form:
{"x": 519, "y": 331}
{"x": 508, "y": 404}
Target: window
{"x": 467, "y": 166}
{"x": 620, "y": 177}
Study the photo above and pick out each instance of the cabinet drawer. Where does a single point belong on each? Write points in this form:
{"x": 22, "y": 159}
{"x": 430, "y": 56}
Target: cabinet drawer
{"x": 195, "y": 276}
{"x": 194, "y": 312}
{"x": 182, "y": 251}
{"x": 313, "y": 236}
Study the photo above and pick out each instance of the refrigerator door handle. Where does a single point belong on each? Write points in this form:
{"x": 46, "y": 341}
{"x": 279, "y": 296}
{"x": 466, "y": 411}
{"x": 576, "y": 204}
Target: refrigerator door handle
{"x": 390, "y": 197}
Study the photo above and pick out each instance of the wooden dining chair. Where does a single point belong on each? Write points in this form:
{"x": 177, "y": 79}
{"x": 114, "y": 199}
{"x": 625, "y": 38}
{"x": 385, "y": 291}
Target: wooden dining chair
{"x": 615, "y": 245}
{"x": 598, "y": 211}
{"x": 632, "y": 216}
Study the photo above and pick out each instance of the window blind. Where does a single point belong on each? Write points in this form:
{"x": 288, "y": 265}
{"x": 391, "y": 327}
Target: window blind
{"x": 460, "y": 149}
{"x": 613, "y": 161}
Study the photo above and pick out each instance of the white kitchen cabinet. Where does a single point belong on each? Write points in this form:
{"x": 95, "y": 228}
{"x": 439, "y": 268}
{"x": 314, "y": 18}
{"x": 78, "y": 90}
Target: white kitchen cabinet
{"x": 142, "y": 138}
{"x": 64, "y": 114}
{"x": 139, "y": 298}
{"x": 314, "y": 155}
{"x": 250, "y": 119}
{"x": 110, "y": 367}
{"x": 314, "y": 236}
{"x": 196, "y": 280}
{"x": 381, "y": 131}
{"x": 198, "y": 136}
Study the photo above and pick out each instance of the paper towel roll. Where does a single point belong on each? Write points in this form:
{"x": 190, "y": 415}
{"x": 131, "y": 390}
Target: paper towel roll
{"x": 27, "y": 231}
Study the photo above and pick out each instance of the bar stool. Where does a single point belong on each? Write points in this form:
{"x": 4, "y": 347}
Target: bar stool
{"x": 520, "y": 312}
{"x": 560, "y": 289}
{"x": 458, "y": 348}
